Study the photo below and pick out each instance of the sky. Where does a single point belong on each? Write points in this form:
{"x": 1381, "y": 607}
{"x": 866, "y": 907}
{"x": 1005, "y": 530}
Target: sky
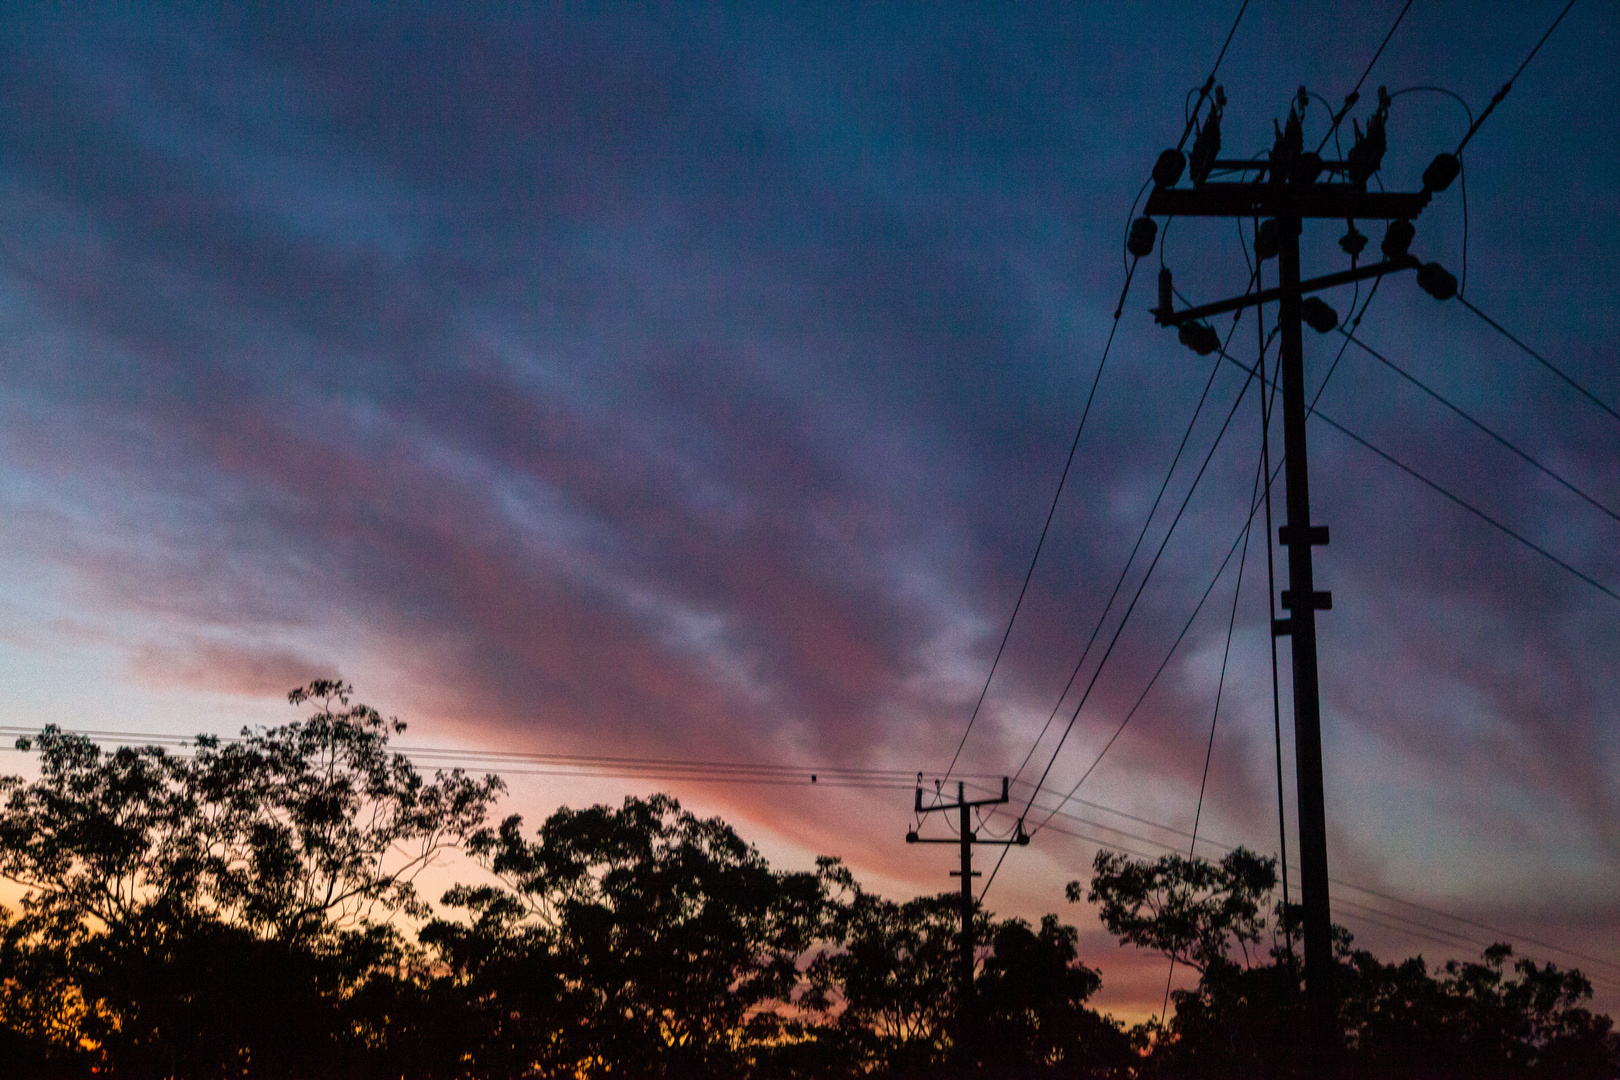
{"x": 693, "y": 381}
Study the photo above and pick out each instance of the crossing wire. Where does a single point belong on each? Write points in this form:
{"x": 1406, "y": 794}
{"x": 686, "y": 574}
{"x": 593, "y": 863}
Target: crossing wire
{"x": 1502, "y": 93}
{"x": 1548, "y": 364}
{"x": 1131, "y": 558}
{"x": 1253, "y": 509}
{"x": 549, "y": 764}
{"x": 1442, "y": 399}
{"x": 1220, "y": 687}
{"x": 1226, "y": 655}
{"x": 1124, "y": 570}
{"x": 1449, "y": 494}
{"x": 1051, "y": 511}
{"x": 1501, "y": 933}
{"x": 1315, "y": 411}
{"x": 1466, "y": 505}
{"x": 1138, "y": 595}
{"x": 1209, "y": 83}
{"x": 1355, "y": 95}
{"x": 1131, "y": 607}
{"x": 1191, "y": 119}
{"x": 1266, "y": 409}
{"x": 880, "y": 778}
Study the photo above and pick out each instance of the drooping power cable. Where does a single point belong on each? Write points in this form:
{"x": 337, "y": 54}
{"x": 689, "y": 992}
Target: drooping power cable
{"x": 1312, "y": 410}
{"x": 1045, "y": 528}
{"x": 1548, "y": 364}
{"x": 1496, "y": 99}
{"x": 1355, "y": 95}
{"x": 1131, "y": 607}
{"x": 1503, "y": 440}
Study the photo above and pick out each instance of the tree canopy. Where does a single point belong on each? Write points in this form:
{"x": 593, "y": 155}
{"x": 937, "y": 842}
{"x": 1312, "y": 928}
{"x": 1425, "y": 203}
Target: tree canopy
{"x": 1469, "y": 1019}
{"x": 251, "y": 909}
{"x": 182, "y": 914}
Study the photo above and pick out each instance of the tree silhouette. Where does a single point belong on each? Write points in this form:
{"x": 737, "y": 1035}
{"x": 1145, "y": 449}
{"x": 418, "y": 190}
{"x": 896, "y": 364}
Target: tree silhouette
{"x": 894, "y": 971}
{"x": 676, "y": 946}
{"x": 187, "y": 914}
{"x": 1192, "y": 911}
{"x": 1475, "y": 1019}
{"x": 315, "y": 828}
{"x": 1032, "y": 994}
{"x": 250, "y": 910}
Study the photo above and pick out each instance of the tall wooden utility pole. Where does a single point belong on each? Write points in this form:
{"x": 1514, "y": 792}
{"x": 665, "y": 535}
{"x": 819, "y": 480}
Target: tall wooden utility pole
{"x": 1281, "y": 193}
{"x": 965, "y": 839}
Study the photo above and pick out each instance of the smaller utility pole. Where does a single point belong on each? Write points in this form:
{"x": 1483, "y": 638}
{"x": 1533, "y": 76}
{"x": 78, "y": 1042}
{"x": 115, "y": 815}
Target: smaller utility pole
{"x": 965, "y": 839}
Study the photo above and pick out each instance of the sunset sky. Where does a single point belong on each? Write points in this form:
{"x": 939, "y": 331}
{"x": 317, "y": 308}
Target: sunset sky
{"x": 693, "y": 381}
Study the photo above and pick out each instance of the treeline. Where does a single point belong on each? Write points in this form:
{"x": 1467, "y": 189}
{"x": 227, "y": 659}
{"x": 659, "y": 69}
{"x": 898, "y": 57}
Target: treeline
{"x": 249, "y": 910}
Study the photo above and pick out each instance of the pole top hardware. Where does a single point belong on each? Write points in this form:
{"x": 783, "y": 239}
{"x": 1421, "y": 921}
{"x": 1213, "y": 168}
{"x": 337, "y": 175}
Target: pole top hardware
{"x": 1019, "y": 838}
{"x": 1265, "y": 296}
{"x": 1338, "y": 201}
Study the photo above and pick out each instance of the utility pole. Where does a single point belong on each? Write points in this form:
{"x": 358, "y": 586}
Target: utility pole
{"x": 966, "y": 838}
{"x": 1285, "y": 190}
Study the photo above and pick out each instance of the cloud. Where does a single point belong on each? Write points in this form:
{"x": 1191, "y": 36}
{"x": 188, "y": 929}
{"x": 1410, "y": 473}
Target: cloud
{"x": 225, "y": 668}
{"x": 678, "y": 386}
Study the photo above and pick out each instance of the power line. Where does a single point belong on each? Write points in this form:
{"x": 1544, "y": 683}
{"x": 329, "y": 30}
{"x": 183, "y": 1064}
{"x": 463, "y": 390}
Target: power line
{"x": 1209, "y": 83}
{"x": 1129, "y": 561}
{"x": 1057, "y": 810}
{"x": 1466, "y": 505}
{"x": 878, "y": 779}
{"x": 1355, "y": 95}
{"x": 1191, "y": 119}
{"x": 1071, "y": 795}
{"x": 1124, "y": 571}
{"x": 1125, "y": 619}
{"x": 1502, "y": 93}
{"x": 1442, "y": 399}
{"x": 1480, "y": 925}
{"x": 1357, "y": 911}
{"x": 548, "y": 764}
{"x": 1220, "y": 687}
{"x": 1381, "y": 46}
{"x": 1441, "y": 489}
{"x": 1169, "y": 654}
{"x": 1462, "y": 171}
{"x": 1253, "y": 509}
{"x": 1226, "y": 655}
{"x": 1051, "y": 511}
{"x": 1548, "y": 364}
{"x": 1266, "y": 408}
{"x": 1288, "y": 198}
{"x": 1500, "y": 932}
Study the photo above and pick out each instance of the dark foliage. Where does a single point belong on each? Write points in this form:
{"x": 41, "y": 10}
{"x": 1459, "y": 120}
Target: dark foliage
{"x": 664, "y": 944}
{"x": 250, "y": 911}
{"x": 1032, "y": 995}
{"x": 1484, "y": 1019}
{"x": 183, "y": 915}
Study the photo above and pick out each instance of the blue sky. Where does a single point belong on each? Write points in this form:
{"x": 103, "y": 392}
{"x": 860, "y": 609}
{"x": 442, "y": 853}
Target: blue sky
{"x": 691, "y": 381}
